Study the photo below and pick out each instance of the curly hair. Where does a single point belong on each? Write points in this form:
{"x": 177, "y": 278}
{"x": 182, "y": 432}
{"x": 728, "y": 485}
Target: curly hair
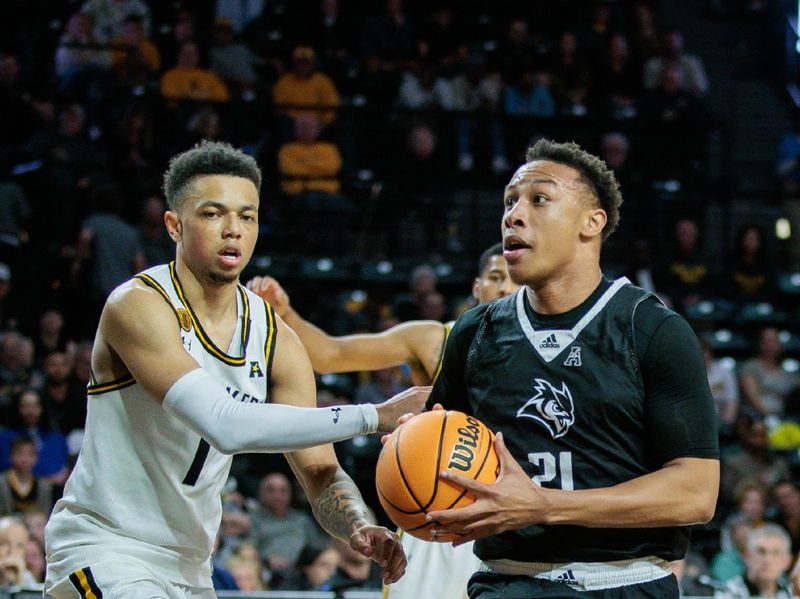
{"x": 593, "y": 172}
{"x": 206, "y": 158}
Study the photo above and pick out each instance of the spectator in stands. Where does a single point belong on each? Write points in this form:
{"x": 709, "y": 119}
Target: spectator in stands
{"x": 474, "y": 96}
{"x": 233, "y": 61}
{"x": 16, "y": 368}
{"x": 14, "y": 214}
{"x": 279, "y": 531}
{"x": 35, "y": 559}
{"x": 422, "y": 90}
{"x": 750, "y": 278}
{"x": 308, "y": 164}
{"x": 644, "y": 37}
{"x": 304, "y": 90}
{"x": 751, "y": 499}
{"x": 157, "y": 246}
{"x": 135, "y": 152}
{"x": 354, "y": 571}
{"x": 35, "y": 520}
{"x": 109, "y": 16}
{"x": 765, "y": 384}
{"x": 334, "y": 36}
{"x": 618, "y": 82}
{"x": 422, "y": 282}
{"x": 21, "y": 115}
{"x": 692, "y": 73}
{"x": 183, "y": 31}
{"x": 433, "y": 307}
{"x": 221, "y": 578}
{"x": 136, "y": 57}
{"x": 189, "y": 82}
{"x": 379, "y": 384}
{"x": 204, "y": 123}
{"x": 787, "y": 497}
{"x": 316, "y": 563}
{"x": 246, "y": 573}
{"x": 20, "y": 488}
{"x": 441, "y": 38}
{"x": 239, "y": 13}
{"x": 51, "y": 335}
{"x": 687, "y": 274}
{"x": 572, "y": 76}
{"x": 82, "y": 59}
{"x": 753, "y": 462}
{"x": 531, "y": 94}
{"x": 13, "y": 542}
{"x": 8, "y": 310}
{"x": 724, "y": 388}
{"x": 767, "y": 559}
{"x": 640, "y": 268}
{"x": 729, "y": 563}
{"x": 389, "y": 40}
{"x": 516, "y": 50}
{"x": 63, "y": 399}
{"x": 108, "y": 250}
{"x": 29, "y": 421}
{"x": 71, "y": 158}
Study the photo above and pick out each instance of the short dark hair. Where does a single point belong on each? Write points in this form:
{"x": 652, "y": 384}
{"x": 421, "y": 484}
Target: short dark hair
{"x": 495, "y": 250}
{"x": 594, "y": 173}
{"x": 20, "y": 442}
{"x": 206, "y": 158}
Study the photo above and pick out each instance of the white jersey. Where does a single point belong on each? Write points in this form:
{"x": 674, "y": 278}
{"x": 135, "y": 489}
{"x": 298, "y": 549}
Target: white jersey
{"x": 145, "y": 484}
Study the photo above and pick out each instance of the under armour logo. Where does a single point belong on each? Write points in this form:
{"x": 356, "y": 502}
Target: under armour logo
{"x": 336, "y": 414}
{"x": 574, "y": 357}
{"x": 255, "y": 370}
{"x": 187, "y": 342}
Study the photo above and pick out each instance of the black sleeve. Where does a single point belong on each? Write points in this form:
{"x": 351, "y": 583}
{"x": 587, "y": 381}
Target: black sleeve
{"x": 450, "y": 387}
{"x": 680, "y": 416}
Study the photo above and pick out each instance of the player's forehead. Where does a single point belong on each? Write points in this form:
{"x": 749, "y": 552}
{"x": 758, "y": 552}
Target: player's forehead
{"x": 495, "y": 265}
{"x": 224, "y": 189}
{"x": 545, "y": 173}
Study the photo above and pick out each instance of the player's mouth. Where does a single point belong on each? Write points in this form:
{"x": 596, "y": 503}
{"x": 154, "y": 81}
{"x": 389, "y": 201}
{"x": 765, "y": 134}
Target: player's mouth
{"x": 514, "y": 247}
{"x": 230, "y": 256}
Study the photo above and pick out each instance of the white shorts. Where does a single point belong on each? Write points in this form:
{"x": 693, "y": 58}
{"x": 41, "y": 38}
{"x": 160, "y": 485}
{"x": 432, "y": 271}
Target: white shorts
{"x": 434, "y": 570}
{"x": 115, "y": 577}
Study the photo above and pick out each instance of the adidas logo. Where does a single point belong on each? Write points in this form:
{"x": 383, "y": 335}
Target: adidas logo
{"x": 550, "y": 343}
{"x": 567, "y": 578}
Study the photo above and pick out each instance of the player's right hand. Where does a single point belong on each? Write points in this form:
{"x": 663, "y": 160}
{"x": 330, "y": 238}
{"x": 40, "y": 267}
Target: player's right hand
{"x": 409, "y": 402}
{"x": 271, "y": 291}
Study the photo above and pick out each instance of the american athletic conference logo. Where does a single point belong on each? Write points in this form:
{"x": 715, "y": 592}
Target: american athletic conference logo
{"x": 550, "y": 406}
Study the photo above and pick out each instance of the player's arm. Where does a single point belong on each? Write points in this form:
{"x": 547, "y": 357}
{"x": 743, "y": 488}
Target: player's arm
{"x": 681, "y": 429}
{"x": 335, "y": 499}
{"x": 139, "y": 328}
{"x": 417, "y": 341}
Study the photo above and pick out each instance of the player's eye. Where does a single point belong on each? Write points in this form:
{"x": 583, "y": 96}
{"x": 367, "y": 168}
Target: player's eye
{"x": 508, "y": 202}
{"x": 539, "y": 199}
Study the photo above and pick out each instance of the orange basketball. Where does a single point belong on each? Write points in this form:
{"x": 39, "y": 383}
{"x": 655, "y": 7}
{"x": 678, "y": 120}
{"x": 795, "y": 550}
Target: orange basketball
{"x": 408, "y": 468}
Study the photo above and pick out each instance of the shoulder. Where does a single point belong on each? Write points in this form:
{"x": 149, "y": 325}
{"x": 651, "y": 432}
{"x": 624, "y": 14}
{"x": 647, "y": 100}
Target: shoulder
{"x": 133, "y": 300}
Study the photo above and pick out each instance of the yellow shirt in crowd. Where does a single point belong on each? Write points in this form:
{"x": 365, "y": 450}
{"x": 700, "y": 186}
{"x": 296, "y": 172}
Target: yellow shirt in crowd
{"x": 309, "y": 167}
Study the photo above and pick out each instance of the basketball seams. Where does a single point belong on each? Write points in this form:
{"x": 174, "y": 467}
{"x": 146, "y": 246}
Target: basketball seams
{"x": 442, "y": 430}
{"x": 402, "y": 473}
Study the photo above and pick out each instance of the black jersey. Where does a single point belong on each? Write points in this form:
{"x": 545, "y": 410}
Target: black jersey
{"x": 576, "y": 411}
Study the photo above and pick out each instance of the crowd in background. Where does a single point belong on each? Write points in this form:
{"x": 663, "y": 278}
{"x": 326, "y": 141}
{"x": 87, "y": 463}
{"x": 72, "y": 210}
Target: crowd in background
{"x": 372, "y": 117}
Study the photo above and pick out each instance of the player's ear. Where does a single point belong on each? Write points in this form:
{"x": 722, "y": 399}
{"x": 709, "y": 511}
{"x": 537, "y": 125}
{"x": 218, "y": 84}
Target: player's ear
{"x": 594, "y": 222}
{"x": 476, "y": 288}
{"x": 174, "y": 225}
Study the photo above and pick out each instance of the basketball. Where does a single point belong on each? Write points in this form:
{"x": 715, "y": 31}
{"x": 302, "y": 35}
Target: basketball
{"x": 407, "y": 475}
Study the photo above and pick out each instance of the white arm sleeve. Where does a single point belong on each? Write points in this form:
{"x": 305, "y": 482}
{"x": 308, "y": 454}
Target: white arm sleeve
{"x": 233, "y": 427}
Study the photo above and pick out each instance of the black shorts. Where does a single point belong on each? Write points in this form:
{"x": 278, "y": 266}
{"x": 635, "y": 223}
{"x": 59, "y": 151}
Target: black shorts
{"x": 488, "y": 585}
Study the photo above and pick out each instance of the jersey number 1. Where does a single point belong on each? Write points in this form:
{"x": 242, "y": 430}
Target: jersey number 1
{"x": 197, "y": 463}
{"x": 549, "y": 468}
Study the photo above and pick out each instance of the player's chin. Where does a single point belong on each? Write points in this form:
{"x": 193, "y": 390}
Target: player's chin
{"x": 223, "y": 277}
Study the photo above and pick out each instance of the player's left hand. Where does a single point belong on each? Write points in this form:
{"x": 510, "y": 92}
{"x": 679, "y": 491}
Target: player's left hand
{"x": 511, "y": 502}
{"x": 383, "y": 547}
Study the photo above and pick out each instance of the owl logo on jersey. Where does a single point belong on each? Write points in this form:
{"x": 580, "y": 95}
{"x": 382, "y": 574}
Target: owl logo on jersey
{"x": 550, "y": 406}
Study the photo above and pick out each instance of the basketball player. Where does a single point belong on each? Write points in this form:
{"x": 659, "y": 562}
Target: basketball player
{"x": 184, "y": 363}
{"x": 598, "y": 393}
{"x": 434, "y": 569}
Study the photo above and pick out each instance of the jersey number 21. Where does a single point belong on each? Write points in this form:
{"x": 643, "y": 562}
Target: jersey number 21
{"x": 551, "y": 466}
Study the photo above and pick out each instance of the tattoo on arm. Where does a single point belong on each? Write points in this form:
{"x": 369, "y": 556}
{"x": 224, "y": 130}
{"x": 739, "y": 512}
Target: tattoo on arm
{"x": 339, "y": 508}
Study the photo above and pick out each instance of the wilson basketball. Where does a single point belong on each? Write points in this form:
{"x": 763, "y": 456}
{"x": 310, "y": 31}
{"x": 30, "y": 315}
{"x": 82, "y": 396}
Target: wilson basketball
{"x": 408, "y": 468}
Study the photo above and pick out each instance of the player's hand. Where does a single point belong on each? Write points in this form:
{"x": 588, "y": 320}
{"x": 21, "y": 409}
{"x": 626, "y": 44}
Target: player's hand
{"x": 405, "y": 418}
{"x": 513, "y": 501}
{"x": 407, "y": 403}
{"x": 271, "y": 291}
{"x": 383, "y": 547}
